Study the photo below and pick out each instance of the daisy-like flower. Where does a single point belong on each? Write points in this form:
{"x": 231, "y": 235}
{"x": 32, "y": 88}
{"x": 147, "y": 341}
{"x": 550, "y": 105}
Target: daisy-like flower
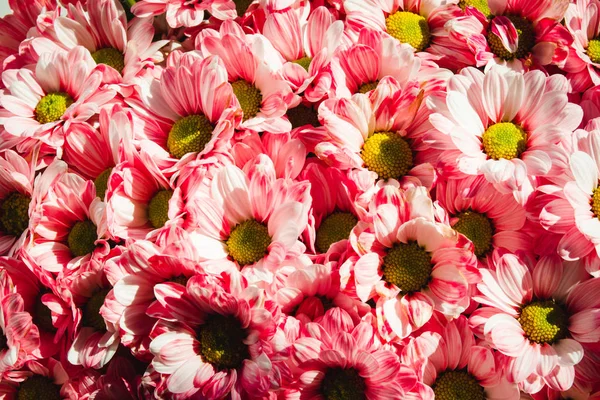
{"x": 250, "y": 219}
{"x": 338, "y": 359}
{"x": 103, "y": 30}
{"x": 262, "y": 95}
{"x": 409, "y": 263}
{"x": 64, "y": 89}
{"x": 219, "y": 347}
{"x": 451, "y": 365}
{"x": 503, "y": 125}
{"x": 377, "y": 132}
{"x": 39, "y": 379}
{"x": 488, "y": 219}
{"x": 192, "y": 97}
{"x": 519, "y": 33}
{"x": 537, "y": 317}
{"x": 69, "y": 224}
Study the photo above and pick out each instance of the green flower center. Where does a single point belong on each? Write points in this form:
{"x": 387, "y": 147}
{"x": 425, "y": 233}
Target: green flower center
{"x": 478, "y": 229}
{"x": 596, "y": 202}
{"x": 111, "y": 57}
{"x": 334, "y": 228}
{"x": 14, "y": 214}
{"x": 42, "y": 315}
{"x": 189, "y": 135}
{"x": 481, "y": 5}
{"x": 249, "y": 98}
{"x": 101, "y": 183}
{"x": 457, "y": 385}
{"x": 303, "y": 115}
{"x": 222, "y": 342}
{"x": 343, "y": 384}
{"x": 52, "y": 106}
{"x": 526, "y": 34}
{"x": 367, "y": 87}
{"x": 409, "y": 28}
{"x": 158, "y": 208}
{"x": 388, "y": 154}
{"x": 38, "y": 387}
{"x": 248, "y": 242}
{"x": 504, "y": 140}
{"x": 82, "y": 238}
{"x": 593, "y": 50}
{"x": 408, "y": 266}
{"x": 91, "y": 312}
{"x": 304, "y": 62}
{"x": 241, "y": 6}
{"x": 544, "y": 321}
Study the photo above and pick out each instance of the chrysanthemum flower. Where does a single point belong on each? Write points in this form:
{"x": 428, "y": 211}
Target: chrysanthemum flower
{"x": 537, "y": 317}
{"x": 503, "y": 125}
{"x": 410, "y": 264}
{"x": 262, "y": 95}
{"x": 69, "y": 223}
{"x": 64, "y": 89}
{"x": 221, "y": 350}
{"x": 450, "y": 364}
{"x": 252, "y": 220}
{"x": 519, "y": 33}
{"x": 39, "y": 379}
{"x": 488, "y": 219}
{"x": 337, "y": 358}
{"x": 374, "y": 132}
{"x": 103, "y": 30}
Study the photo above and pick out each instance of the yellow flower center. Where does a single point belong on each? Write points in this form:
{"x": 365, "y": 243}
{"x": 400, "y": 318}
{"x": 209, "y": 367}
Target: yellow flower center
{"x": 52, "y": 106}
{"x": 158, "y": 208}
{"x": 367, "y": 87}
{"x": 82, "y": 237}
{"x": 189, "y": 135}
{"x": 334, "y": 228}
{"x": 91, "y": 311}
{"x": 38, "y": 387}
{"x": 101, "y": 183}
{"x": 481, "y": 5}
{"x": 596, "y": 202}
{"x": 593, "y": 50}
{"x": 409, "y": 28}
{"x": 388, "y": 154}
{"x": 111, "y": 57}
{"x": 303, "y": 115}
{"x": 248, "y": 242}
{"x": 408, "y": 266}
{"x": 457, "y": 385}
{"x": 249, "y": 98}
{"x": 478, "y": 229}
{"x": 544, "y": 321}
{"x": 504, "y": 140}
{"x": 343, "y": 384}
{"x": 304, "y": 62}
{"x": 526, "y": 34}
{"x": 14, "y": 214}
{"x": 222, "y": 342}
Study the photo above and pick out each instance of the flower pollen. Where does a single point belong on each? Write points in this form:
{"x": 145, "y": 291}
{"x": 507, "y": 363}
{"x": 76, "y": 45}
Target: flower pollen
{"x": 158, "y": 208}
{"x": 304, "y": 62}
{"x": 38, "y": 387}
{"x": 409, "y": 28}
{"x": 544, "y": 321}
{"x": 91, "y": 311}
{"x": 481, "y": 5}
{"x": 526, "y": 34}
{"x": 248, "y": 242}
{"x": 101, "y": 183}
{"x": 222, "y": 342}
{"x": 504, "y": 140}
{"x": 14, "y": 214}
{"x": 249, "y": 97}
{"x": 189, "y": 135}
{"x": 111, "y": 57}
{"x": 367, "y": 87}
{"x": 596, "y": 202}
{"x": 408, "y": 266}
{"x": 478, "y": 229}
{"x": 387, "y": 154}
{"x": 593, "y": 50}
{"x": 82, "y": 238}
{"x": 334, "y": 228}
{"x": 453, "y": 385}
{"x": 52, "y": 106}
{"x": 343, "y": 384}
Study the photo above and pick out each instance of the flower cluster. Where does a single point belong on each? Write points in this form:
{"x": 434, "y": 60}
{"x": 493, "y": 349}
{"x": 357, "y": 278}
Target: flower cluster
{"x": 292, "y": 199}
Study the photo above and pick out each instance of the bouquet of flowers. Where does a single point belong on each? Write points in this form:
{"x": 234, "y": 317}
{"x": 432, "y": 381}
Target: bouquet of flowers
{"x": 292, "y": 199}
